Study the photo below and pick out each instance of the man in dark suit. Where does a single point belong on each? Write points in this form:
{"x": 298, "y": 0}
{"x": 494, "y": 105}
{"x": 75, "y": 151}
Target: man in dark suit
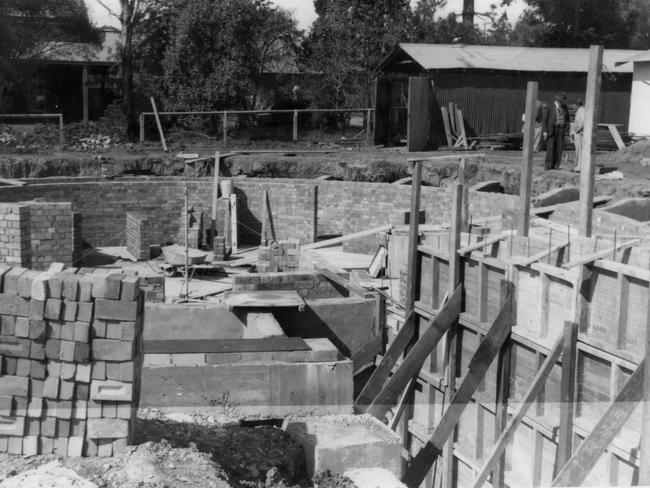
{"x": 557, "y": 122}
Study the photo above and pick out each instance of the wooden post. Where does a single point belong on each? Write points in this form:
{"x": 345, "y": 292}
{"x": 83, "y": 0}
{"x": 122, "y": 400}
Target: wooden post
{"x": 233, "y": 223}
{"x": 462, "y": 179}
{"x": 592, "y": 111}
{"x": 265, "y": 217}
{"x": 527, "y": 158}
{"x": 160, "y": 130}
{"x": 84, "y": 91}
{"x": 567, "y": 394}
{"x": 225, "y": 129}
{"x": 141, "y": 127}
{"x": 644, "y": 464}
{"x": 215, "y": 196}
{"x": 368, "y": 125}
{"x": 61, "y": 131}
{"x": 450, "y": 374}
{"x": 295, "y": 125}
{"x": 411, "y": 281}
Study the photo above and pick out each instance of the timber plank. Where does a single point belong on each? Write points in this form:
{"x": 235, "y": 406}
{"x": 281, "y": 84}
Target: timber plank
{"x": 226, "y": 345}
{"x": 264, "y": 299}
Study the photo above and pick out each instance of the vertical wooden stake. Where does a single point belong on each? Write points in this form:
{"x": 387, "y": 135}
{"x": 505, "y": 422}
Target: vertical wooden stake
{"x": 450, "y": 373}
{"x": 368, "y": 125}
{"x": 265, "y": 209}
{"x": 462, "y": 179}
{"x": 295, "y": 125}
{"x": 225, "y": 129}
{"x": 84, "y": 91}
{"x": 644, "y": 447}
{"x": 160, "y": 130}
{"x": 527, "y": 158}
{"x": 567, "y": 395}
{"x": 411, "y": 281}
{"x": 592, "y": 112}
{"x": 234, "y": 239}
{"x": 141, "y": 127}
{"x": 61, "y": 131}
{"x": 215, "y": 196}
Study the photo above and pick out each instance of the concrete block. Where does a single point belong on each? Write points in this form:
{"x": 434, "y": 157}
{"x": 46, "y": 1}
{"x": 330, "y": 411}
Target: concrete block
{"x": 15, "y": 445}
{"x": 130, "y": 288}
{"x": 6, "y": 405}
{"x": 40, "y": 287}
{"x": 12, "y": 426}
{"x": 33, "y": 426}
{"x": 20, "y": 406}
{"x": 37, "y": 369}
{"x": 112, "y": 350}
{"x": 54, "y": 368}
{"x": 67, "y": 331}
{"x": 99, "y": 370}
{"x": 14, "y": 305}
{"x": 75, "y": 446}
{"x": 340, "y": 443}
{"x": 11, "y": 279}
{"x": 90, "y": 447}
{"x": 127, "y": 371}
{"x": 30, "y": 445}
{"x": 119, "y": 445}
{"x": 55, "y": 284}
{"x": 14, "y": 347}
{"x": 66, "y": 390}
{"x": 70, "y": 288}
{"x": 111, "y": 391}
{"x": 80, "y": 410}
{"x": 37, "y": 350}
{"x": 78, "y": 427}
{"x": 48, "y": 427}
{"x": 107, "y": 428}
{"x": 56, "y": 267}
{"x": 84, "y": 312}
{"x": 37, "y": 328}
{"x": 113, "y": 371}
{"x": 94, "y": 409}
{"x": 51, "y": 388}
{"x": 259, "y": 325}
{"x": 9, "y": 366}
{"x": 116, "y": 310}
{"x": 67, "y": 351}
{"x": 62, "y": 428}
{"x": 60, "y": 446}
{"x": 25, "y": 283}
{"x": 81, "y": 332}
{"x": 35, "y": 408}
{"x": 64, "y": 409}
{"x": 22, "y": 327}
{"x": 81, "y": 352}
{"x": 98, "y": 328}
{"x": 4, "y": 269}
{"x": 107, "y": 286}
{"x": 69, "y": 311}
{"x": 68, "y": 371}
{"x": 82, "y": 391}
{"x": 53, "y": 309}
{"x": 53, "y": 329}
{"x": 83, "y": 373}
{"x": 23, "y": 367}
{"x": 47, "y": 445}
{"x": 36, "y": 387}
{"x": 105, "y": 448}
{"x": 8, "y": 325}
{"x": 124, "y": 410}
{"x": 109, "y": 410}
{"x": 113, "y": 330}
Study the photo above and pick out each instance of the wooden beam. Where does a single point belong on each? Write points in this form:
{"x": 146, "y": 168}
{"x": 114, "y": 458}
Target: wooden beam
{"x": 567, "y": 393}
{"x": 592, "y": 112}
{"x": 447, "y": 156}
{"x": 340, "y": 240}
{"x": 343, "y": 282}
{"x": 184, "y": 346}
{"x": 527, "y": 159}
{"x": 477, "y": 369}
{"x": 269, "y": 215}
{"x": 600, "y": 254}
{"x": 613, "y": 130}
{"x": 412, "y": 264}
{"x": 413, "y": 361}
{"x": 527, "y": 401}
{"x": 482, "y": 244}
{"x": 263, "y": 238}
{"x": 84, "y": 91}
{"x": 234, "y": 231}
{"x": 585, "y": 458}
{"x": 401, "y": 405}
{"x": 644, "y": 445}
{"x": 158, "y": 124}
{"x": 215, "y": 196}
{"x": 523, "y": 261}
{"x": 379, "y": 376}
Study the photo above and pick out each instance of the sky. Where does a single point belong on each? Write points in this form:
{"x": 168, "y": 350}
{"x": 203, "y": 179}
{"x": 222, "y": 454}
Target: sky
{"x": 304, "y": 10}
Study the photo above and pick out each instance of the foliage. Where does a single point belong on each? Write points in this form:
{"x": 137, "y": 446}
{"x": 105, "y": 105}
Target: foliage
{"x": 218, "y": 51}
{"x": 347, "y": 44}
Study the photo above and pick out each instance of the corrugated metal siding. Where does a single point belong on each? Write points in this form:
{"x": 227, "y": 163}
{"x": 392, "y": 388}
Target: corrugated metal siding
{"x": 494, "y": 102}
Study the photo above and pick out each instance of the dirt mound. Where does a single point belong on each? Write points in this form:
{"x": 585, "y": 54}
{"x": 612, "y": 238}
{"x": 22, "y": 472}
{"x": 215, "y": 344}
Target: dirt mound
{"x": 633, "y": 153}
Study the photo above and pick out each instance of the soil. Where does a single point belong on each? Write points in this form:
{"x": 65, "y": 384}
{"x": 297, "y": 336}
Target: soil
{"x": 349, "y": 164}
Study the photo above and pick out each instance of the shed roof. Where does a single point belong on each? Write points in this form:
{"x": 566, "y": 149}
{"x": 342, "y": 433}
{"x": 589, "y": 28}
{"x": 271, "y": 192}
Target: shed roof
{"x": 507, "y": 58}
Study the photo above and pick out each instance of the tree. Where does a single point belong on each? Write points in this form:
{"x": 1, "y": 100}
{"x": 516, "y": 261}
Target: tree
{"x": 218, "y": 50}
{"x": 348, "y": 42}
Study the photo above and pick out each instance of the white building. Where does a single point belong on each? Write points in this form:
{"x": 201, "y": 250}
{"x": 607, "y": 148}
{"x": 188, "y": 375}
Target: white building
{"x": 639, "y": 124}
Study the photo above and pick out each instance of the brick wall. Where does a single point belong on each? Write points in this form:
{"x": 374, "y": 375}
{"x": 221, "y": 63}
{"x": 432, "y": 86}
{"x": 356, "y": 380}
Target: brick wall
{"x": 300, "y": 208}
{"x": 15, "y": 248}
{"x": 308, "y": 285}
{"x": 51, "y": 231}
{"x": 139, "y": 235}
{"x": 71, "y": 357}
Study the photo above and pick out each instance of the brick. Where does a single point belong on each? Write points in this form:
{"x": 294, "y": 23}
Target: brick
{"x": 66, "y": 390}
{"x": 30, "y": 445}
{"x": 33, "y": 426}
{"x": 78, "y": 427}
{"x": 40, "y": 287}
{"x": 124, "y": 410}
{"x": 130, "y": 288}
{"x": 6, "y": 405}
{"x": 23, "y": 367}
{"x": 14, "y": 386}
{"x": 9, "y": 366}
{"x": 37, "y": 350}
{"x": 80, "y": 410}
{"x": 98, "y": 328}
{"x": 20, "y": 406}
{"x": 53, "y": 349}
{"x": 82, "y": 352}
{"x": 107, "y": 286}
{"x": 37, "y": 329}
{"x": 55, "y": 284}
{"x": 82, "y": 391}
{"x": 91, "y": 447}
{"x": 111, "y": 350}
{"x": 62, "y": 428}
{"x": 8, "y": 325}
{"x": 49, "y": 407}
{"x": 67, "y": 331}
{"x": 69, "y": 310}
{"x": 109, "y": 410}
{"x": 68, "y": 371}
{"x": 85, "y": 312}
{"x": 116, "y": 310}
{"x": 48, "y": 427}
{"x": 22, "y": 327}
{"x": 25, "y": 283}
{"x": 68, "y": 351}
{"x": 36, "y": 387}
{"x": 113, "y": 330}
{"x": 14, "y": 305}
{"x": 111, "y": 391}
{"x": 107, "y": 428}
{"x": 11, "y": 279}
{"x": 36, "y": 310}
{"x": 54, "y": 368}
{"x": 127, "y": 372}
{"x": 81, "y": 332}
{"x": 53, "y": 308}
{"x": 47, "y": 445}
{"x": 113, "y": 371}
{"x": 70, "y": 288}
{"x": 85, "y": 288}
{"x": 83, "y": 373}
{"x": 99, "y": 370}
{"x": 11, "y": 425}
{"x": 94, "y": 409}
{"x": 51, "y": 388}
{"x": 60, "y": 446}
{"x": 37, "y": 369}
{"x": 56, "y": 267}
{"x": 64, "y": 409}
{"x": 105, "y": 448}
{"x": 53, "y": 329}
{"x": 15, "y": 445}
{"x": 75, "y": 446}
{"x": 14, "y": 347}
{"x": 35, "y": 408}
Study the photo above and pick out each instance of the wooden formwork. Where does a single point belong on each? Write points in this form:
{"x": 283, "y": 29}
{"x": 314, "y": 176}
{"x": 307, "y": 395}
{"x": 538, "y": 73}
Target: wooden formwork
{"x": 607, "y": 298}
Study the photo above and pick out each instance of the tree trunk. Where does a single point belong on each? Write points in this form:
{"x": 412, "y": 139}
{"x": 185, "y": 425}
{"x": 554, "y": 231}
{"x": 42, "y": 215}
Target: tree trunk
{"x": 128, "y": 101}
{"x": 468, "y": 12}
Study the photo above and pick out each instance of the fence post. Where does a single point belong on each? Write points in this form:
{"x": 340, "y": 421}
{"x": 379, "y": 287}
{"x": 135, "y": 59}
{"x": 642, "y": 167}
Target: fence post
{"x": 225, "y": 128}
{"x": 141, "y": 127}
{"x": 368, "y": 125}
{"x": 295, "y": 125}
{"x": 61, "y": 133}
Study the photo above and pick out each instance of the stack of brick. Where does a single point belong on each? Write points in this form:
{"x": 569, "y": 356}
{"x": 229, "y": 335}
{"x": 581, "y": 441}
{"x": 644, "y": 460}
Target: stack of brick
{"x": 77, "y": 239}
{"x": 153, "y": 288}
{"x": 219, "y": 248}
{"x": 15, "y": 239}
{"x": 71, "y": 356}
{"x": 308, "y": 284}
{"x": 280, "y": 256}
{"x": 139, "y": 235}
{"x": 51, "y": 233}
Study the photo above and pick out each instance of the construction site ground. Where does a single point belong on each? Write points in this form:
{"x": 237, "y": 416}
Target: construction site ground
{"x": 350, "y": 164}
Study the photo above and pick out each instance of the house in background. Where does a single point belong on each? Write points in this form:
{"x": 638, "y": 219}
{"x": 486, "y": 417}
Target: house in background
{"x": 489, "y": 84}
{"x": 639, "y": 121}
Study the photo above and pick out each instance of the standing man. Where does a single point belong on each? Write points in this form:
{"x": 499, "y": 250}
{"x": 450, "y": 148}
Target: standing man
{"x": 557, "y": 121}
{"x": 578, "y": 129}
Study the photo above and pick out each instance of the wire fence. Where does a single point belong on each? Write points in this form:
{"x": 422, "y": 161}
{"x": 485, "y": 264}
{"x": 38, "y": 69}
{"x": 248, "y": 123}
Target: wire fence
{"x": 354, "y": 126}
